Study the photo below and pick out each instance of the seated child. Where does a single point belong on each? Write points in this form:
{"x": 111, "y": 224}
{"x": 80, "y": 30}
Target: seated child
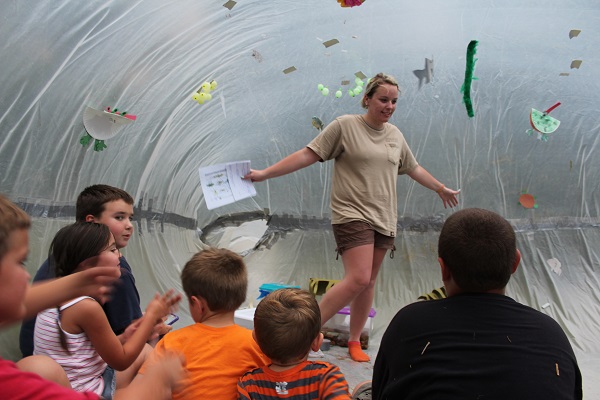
{"x": 287, "y": 325}
{"x": 216, "y": 350}
{"x": 19, "y": 300}
{"x": 77, "y": 334}
{"x": 112, "y": 207}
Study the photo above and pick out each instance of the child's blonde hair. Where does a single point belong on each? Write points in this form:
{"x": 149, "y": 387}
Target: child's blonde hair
{"x": 12, "y": 218}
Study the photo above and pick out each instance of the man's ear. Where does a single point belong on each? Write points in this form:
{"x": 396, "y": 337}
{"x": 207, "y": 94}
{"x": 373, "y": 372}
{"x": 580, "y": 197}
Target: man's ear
{"x": 90, "y": 218}
{"x": 451, "y": 286}
{"x": 316, "y": 344}
{"x": 446, "y": 274}
{"x": 517, "y": 261}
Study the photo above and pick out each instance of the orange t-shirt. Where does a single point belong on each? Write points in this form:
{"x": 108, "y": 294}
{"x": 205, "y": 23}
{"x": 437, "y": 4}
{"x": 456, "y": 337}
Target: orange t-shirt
{"x": 215, "y": 359}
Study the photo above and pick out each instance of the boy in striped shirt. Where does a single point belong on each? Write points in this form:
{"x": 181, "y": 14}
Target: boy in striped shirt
{"x": 287, "y": 325}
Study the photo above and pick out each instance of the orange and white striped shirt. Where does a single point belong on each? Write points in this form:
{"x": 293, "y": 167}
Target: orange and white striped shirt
{"x": 307, "y": 380}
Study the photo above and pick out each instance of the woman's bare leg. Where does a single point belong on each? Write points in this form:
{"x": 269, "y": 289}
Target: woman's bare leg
{"x": 361, "y": 305}
{"x": 358, "y": 262}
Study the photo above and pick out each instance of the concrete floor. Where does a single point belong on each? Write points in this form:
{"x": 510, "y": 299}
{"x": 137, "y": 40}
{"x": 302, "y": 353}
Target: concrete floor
{"x": 355, "y": 372}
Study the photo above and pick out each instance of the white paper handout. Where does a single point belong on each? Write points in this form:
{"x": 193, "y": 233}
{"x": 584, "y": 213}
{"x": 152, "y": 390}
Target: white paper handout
{"x": 223, "y": 184}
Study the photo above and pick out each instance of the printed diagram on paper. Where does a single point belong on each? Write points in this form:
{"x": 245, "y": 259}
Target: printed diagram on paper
{"x": 223, "y": 184}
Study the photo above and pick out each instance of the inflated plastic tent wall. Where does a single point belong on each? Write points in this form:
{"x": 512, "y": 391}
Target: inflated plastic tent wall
{"x": 148, "y": 57}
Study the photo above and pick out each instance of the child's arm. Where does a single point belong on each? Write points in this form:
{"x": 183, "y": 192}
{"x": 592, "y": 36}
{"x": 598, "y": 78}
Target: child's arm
{"x": 90, "y": 317}
{"x": 95, "y": 282}
{"x": 158, "y": 381}
{"x": 156, "y": 331}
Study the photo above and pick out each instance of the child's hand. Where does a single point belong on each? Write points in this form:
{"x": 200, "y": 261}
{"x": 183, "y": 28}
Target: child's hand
{"x": 161, "y": 306}
{"x": 163, "y": 374}
{"x": 161, "y": 328}
{"x": 96, "y": 282}
{"x": 130, "y": 330}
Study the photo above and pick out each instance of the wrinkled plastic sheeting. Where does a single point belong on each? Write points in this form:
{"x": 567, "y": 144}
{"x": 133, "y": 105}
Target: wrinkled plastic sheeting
{"x": 148, "y": 57}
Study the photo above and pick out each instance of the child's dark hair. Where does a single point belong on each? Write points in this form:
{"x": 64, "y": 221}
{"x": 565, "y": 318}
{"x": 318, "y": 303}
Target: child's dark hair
{"x": 93, "y": 199}
{"x": 479, "y": 248}
{"x": 72, "y": 245}
{"x": 12, "y": 218}
{"x": 286, "y": 322}
{"x": 217, "y": 275}
{"x": 75, "y": 243}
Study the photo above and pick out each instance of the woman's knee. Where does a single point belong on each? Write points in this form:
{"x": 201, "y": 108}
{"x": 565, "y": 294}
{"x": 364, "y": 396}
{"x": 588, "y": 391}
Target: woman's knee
{"x": 359, "y": 282}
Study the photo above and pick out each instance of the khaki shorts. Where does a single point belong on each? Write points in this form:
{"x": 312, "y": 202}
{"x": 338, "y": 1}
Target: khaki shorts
{"x": 359, "y": 233}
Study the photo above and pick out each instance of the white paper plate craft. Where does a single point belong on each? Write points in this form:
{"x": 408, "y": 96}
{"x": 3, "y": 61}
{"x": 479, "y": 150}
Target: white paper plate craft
{"x": 101, "y": 125}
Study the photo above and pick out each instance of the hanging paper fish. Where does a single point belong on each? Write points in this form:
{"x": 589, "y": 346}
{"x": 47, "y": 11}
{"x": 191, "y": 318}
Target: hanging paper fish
{"x": 317, "y": 123}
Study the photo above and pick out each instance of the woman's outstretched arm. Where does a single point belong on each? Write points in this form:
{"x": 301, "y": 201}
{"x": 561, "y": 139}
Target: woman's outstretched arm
{"x": 423, "y": 177}
{"x": 295, "y": 161}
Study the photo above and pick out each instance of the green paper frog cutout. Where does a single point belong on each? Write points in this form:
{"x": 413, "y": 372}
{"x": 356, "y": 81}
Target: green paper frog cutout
{"x": 99, "y": 145}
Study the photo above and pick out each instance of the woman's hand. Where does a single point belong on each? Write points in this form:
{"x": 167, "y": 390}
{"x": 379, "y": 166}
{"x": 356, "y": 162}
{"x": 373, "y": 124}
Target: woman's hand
{"x": 255, "y": 175}
{"x": 448, "y": 196}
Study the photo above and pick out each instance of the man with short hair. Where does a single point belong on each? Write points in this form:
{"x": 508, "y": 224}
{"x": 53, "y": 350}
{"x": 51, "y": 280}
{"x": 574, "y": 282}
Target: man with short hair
{"x": 478, "y": 343}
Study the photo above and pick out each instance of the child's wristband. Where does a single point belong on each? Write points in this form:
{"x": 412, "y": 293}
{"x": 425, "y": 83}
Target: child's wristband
{"x": 439, "y": 191}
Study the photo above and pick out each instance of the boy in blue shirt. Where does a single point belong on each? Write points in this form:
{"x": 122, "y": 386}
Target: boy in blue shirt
{"x": 112, "y": 207}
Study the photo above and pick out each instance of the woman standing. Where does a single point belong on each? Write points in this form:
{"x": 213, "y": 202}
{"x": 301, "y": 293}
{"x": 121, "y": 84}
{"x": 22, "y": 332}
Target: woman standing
{"x": 369, "y": 154}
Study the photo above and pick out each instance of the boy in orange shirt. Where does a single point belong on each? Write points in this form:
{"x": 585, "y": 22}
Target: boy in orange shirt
{"x": 216, "y": 350}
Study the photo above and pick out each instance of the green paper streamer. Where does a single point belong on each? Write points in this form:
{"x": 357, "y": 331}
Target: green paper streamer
{"x": 466, "y": 87}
